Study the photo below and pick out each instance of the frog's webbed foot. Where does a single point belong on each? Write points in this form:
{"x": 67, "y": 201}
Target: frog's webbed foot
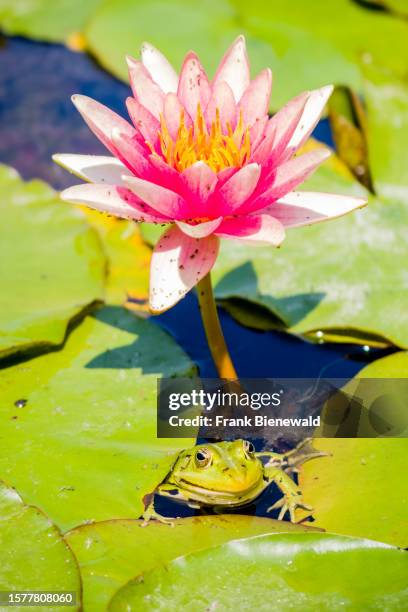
{"x": 289, "y": 503}
{"x": 293, "y": 459}
{"x": 292, "y": 496}
{"x": 151, "y": 514}
{"x": 305, "y": 451}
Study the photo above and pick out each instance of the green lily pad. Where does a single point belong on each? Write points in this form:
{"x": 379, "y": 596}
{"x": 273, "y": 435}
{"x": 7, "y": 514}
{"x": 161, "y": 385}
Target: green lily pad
{"x": 53, "y": 266}
{"x": 86, "y": 436}
{"x": 398, "y": 7}
{"x": 33, "y": 553}
{"x": 311, "y": 49}
{"x": 45, "y": 20}
{"x": 119, "y": 27}
{"x": 361, "y": 489}
{"x": 303, "y": 44}
{"x": 110, "y": 553}
{"x": 387, "y": 110}
{"x": 393, "y": 366}
{"x": 339, "y": 277}
{"x": 275, "y": 573}
{"x": 151, "y": 232}
{"x": 369, "y": 470}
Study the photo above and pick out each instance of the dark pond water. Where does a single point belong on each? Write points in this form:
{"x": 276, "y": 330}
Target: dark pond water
{"x": 38, "y": 119}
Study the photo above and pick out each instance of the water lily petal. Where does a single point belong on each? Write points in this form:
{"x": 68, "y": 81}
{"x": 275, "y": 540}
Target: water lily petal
{"x": 280, "y": 130}
{"x": 178, "y": 263}
{"x": 101, "y": 120}
{"x": 222, "y": 99}
{"x": 257, "y": 230}
{"x": 143, "y": 120}
{"x": 226, "y": 173}
{"x": 161, "y": 199}
{"x": 144, "y": 89}
{"x": 263, "y": 151}
{"x": 287, "y": 177}
{"x": 129, "y": 154}
{"x": 306, "y": 207}
{"x": 159, "y": 67}
{"x": 257, "y": 132}
{"x": 255, "y": 99}
{"x": 236, "y": 190}
{"x": 164, "y": 175}
{"x": 92, "y": 168}
{"x": 234, "y": 68}
{"x": 194, "y": 87}
{"x": 313, "y": 109}
{"x": 200, "y": 230}
{"x": 114, "y": 200}
{"x": 199, "y": 183}
{"x": 172, "y": 114}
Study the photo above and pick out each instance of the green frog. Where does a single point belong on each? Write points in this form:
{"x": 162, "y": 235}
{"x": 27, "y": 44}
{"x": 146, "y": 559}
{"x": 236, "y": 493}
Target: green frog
{"x": 232, "y": 474}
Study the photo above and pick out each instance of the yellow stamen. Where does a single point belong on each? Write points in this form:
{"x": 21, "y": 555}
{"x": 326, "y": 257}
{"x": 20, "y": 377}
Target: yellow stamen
{"x": 218, "y": 149}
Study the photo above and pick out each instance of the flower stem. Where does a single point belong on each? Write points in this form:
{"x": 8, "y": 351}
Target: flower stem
{"x": 213, "y": 331}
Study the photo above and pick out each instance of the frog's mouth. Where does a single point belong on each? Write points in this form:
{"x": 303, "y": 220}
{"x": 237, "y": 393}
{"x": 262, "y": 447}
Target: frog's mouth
{"x": 241, "y": 489}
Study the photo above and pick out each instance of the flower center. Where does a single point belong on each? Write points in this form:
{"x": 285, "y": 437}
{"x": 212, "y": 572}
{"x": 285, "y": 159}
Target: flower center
{"x": 218, "y": 149}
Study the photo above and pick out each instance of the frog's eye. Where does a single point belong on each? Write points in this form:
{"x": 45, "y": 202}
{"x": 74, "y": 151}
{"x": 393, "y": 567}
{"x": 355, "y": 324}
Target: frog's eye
{"x": 249, "y": 448}
{"x": 203, "y": 457}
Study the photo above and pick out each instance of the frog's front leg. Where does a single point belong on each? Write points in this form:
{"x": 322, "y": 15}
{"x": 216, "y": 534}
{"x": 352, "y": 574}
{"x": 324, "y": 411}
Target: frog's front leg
{"x": 150, "y": 511}
{"x": 303, "y": 452}
{"x": 291, "y": 460}
{"x": 292, "y": 496}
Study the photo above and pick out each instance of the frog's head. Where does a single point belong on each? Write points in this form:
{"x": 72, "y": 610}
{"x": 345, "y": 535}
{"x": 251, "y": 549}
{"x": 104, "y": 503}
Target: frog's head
{"x": 225, "y": 467}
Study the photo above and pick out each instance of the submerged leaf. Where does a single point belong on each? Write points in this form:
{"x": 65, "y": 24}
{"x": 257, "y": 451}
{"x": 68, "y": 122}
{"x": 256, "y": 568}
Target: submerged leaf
{"x": 348, "y": 124}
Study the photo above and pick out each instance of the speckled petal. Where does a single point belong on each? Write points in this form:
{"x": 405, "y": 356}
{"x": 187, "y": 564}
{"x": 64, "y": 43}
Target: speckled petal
{"x": 145, "y": 90}
{"x": 101, "y": 120}
{"x": 163, "y": 200}
{"x": 178, "y": 263}
{"x": 114, "y": 200}
{"x": 160, "y": 69}
{"x": 194, "y": 87}
{"x": 92, "y": 168}
{"x": 306, "y": 208}
{"x": 234, "y": 68}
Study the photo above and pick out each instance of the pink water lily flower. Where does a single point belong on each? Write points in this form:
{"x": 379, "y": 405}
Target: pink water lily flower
{"x": 205, "y": 157}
